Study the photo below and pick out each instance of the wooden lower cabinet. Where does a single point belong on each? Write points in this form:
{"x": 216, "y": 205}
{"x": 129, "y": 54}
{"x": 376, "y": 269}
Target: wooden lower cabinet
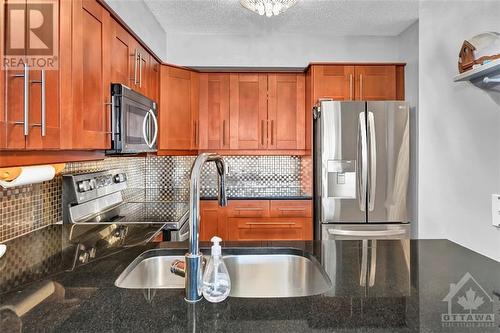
{"x": 212, "y": 220}
{"x": 250, "y": 220}
{"x": 277, "y": 228}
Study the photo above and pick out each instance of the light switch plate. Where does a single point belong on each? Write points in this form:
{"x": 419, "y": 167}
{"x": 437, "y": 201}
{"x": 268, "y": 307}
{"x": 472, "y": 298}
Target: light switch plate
{"x": 495, "y": 210}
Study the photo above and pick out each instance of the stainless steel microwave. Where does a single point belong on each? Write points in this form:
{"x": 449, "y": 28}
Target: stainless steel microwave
{"x": 134, "y": 122}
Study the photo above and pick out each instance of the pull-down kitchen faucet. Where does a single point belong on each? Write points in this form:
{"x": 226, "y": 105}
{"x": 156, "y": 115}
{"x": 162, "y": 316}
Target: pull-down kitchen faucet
{"x": 192, "y": 269}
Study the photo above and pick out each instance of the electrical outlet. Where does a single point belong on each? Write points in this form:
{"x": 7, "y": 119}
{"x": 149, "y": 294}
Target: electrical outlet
{"x": 495, "y": 210}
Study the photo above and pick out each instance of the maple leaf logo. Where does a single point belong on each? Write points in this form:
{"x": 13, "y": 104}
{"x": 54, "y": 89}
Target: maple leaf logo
{"x": 470, "y": 301}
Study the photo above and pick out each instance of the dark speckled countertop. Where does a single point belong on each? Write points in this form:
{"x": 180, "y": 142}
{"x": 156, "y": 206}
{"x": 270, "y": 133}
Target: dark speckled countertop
{"x": 408, "y": 293}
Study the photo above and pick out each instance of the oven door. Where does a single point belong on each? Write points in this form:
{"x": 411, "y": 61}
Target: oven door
{"x": 139, "y": 127}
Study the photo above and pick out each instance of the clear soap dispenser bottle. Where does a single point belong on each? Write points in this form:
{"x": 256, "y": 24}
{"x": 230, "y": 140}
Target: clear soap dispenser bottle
{"x": 216, "y": 281}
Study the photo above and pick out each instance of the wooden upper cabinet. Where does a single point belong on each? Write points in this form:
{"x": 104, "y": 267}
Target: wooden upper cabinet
{"x": 175, "y": 114}
{"x": 28, "y": 95}
{"x": 375, "y": 83}
{"x": 3, "y": 124}
{"x": 214, "y": 111}
{"x": 248, "y": 111}
{"x": 333, "y": 81}
{"x": 286, "y": 111}
{"x": 194, "y": 106}
{"x": 91, "y": 71}
{"x": 121, "y": 49}
{"x": 356, "y": 82}
{"x": 153, "y": 89}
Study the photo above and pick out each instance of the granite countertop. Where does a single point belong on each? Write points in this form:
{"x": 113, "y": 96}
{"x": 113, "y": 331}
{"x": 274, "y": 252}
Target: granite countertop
{"x": 407, "y": 294}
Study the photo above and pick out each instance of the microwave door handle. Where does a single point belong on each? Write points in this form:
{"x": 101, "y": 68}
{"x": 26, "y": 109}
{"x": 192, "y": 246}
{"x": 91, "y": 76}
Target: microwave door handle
{"x": 144, "y": 129}
{"x": 155, "y": 133}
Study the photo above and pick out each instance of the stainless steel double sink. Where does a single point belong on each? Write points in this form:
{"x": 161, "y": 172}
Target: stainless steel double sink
{"x": 254, "y": 272}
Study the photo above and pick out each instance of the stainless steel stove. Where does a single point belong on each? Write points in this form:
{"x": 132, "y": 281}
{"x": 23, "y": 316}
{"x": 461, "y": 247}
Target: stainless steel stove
{"x": 97, "y": 198}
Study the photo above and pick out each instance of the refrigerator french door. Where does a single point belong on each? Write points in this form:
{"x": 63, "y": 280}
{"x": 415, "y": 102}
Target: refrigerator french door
{"x": 361, "y": 166}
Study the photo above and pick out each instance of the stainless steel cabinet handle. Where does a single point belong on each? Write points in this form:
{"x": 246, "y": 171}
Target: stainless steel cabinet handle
{"x": 262, "y": 132}
{"x": 248, "y": 209}
{"x": 350, "y": 86}
{"x": 113, "y": 120}
{"x": 361, "y": 86}
{"x": 135, "y": 66}
{"x": 26, "y": 99}
{"x": 272, "y": 132}
{"x": 140, "y": 69}
{"x": 362, "y": 173}
{"x": 155, "y": 135}
{"x": 373, "y": 163}
{"x": 223, "y": 133}
{"x": 270, "y": 223}
{"x": 43, "y": 123}
{"x": 44, "y": 104}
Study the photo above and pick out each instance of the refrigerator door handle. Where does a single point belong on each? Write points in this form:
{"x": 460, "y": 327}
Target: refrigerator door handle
{"x": 363, "y": 169}
{"x": 373, "y": 163}
{"x": 364, "y": 263}
{"x": 368, "y": 233}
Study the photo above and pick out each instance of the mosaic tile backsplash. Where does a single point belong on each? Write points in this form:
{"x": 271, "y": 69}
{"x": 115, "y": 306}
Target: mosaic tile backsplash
{"x": 156, "y": 178}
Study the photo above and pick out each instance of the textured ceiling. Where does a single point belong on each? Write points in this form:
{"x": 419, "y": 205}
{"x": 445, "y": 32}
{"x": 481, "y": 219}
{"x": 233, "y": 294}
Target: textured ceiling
{"x": 333, "y": 17}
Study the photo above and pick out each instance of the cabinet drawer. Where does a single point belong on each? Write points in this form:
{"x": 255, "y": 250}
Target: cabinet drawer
{"x": 291, "y": 208}
{"x": 269, "y": 229}
{"x": 248, "y": 208}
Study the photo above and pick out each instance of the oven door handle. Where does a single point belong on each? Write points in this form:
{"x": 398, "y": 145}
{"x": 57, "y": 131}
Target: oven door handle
{"x": 144, "y": 124}
{"x": 155, "y": 135}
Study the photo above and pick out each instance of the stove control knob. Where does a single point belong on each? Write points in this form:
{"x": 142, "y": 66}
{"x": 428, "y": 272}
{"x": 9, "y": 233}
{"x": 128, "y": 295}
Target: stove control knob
{"x": 84, "y": 186}
{"x": 119, "y": 178}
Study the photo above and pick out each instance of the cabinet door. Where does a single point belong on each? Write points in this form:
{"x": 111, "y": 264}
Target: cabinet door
{"x": 256, "y": 229}
{"x": 195, "y": 106}
{"x": 91, "y": 69}
{"x": 333, "y": 81}
{"x": 375, "y": 83}
{"x": 154, "y": 79}
{"x": 122, "y": 55}
{"x": 248, "y": 111}
{"x": 286, "y": 111}
{"x": 3, "y": 124}
{"x": 16, "y": 88}
{"x": 175, "y": 109}
{"x": 212, "y": 219}
{"x": 291, "y": 208}
{"x": 214, "y": 111}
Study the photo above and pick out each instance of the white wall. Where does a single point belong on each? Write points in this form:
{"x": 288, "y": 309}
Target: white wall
{"x": 459, "y": 130}
{"x": 139, "y": 18}
{"x": 275, "y": 49}
{"x": 408, "y": 52}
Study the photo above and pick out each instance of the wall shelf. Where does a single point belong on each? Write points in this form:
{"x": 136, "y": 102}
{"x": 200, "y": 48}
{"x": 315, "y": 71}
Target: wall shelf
{"x": 489, "y": 73}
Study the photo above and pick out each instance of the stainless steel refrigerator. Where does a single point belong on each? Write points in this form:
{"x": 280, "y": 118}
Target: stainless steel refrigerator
{"x": 361, "y": 170}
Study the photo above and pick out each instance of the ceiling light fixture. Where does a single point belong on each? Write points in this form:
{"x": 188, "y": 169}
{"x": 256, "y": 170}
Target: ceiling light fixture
{"x": 268, "y": 7}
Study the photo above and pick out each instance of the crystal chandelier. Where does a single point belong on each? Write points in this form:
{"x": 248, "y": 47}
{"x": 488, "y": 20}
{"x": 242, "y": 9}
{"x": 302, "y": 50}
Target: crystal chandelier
{"x": 268, "y": 7}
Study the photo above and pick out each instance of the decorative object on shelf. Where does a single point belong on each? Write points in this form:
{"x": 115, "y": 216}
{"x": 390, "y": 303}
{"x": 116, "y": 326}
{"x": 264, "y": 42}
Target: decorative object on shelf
{"x": 268, "y": 7}
{"x": 479, "y": 50}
